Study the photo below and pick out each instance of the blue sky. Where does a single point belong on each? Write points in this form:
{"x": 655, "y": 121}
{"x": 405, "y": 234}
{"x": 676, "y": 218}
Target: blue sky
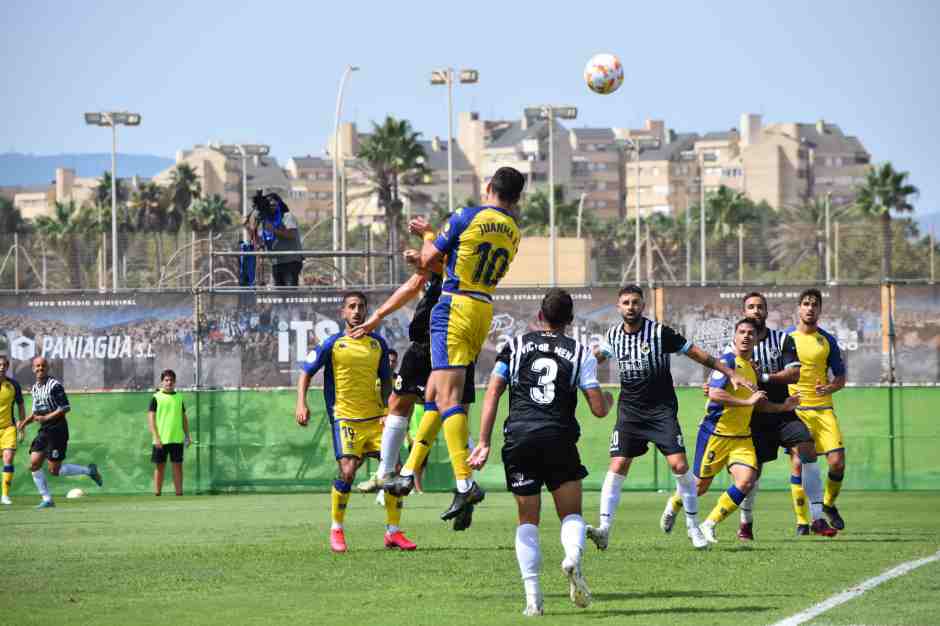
{"x": 268, "y": 71}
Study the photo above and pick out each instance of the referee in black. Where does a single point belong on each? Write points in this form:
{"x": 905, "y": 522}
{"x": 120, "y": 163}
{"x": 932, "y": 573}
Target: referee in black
{"x": 544, "y": 370}
{"x": 50, "y": 405}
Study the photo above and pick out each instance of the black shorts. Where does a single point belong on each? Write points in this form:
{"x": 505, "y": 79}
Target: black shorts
{"x": 530, "y": 463}
{"x": 52, "y": 440}
{"x": 778, "y": 430}
{"x": 415, "y": 369}
{"x": 174, "y": 450}
{"x": 631, "y": 438}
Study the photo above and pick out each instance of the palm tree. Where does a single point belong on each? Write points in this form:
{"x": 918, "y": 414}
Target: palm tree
{"x": 206, "y": 216}
{"x": 884, "y": 190}
{"x": 64, "y": 230}
{"x": 534, "y": 215}
{"x": 183, "y": 189}
{"x": 389, "y": 157}
{"x": 150, "y": 203}
{"x": 800, "y": 234}
{"x": 11, "y": 220}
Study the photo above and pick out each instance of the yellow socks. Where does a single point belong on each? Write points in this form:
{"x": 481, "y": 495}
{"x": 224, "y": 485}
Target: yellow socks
{"x": 800, "y": 505}
{"x": 833, "y": 487}
{"x": 727, "y": 504}
{"x": 7, "y": 479}
{"x": 676, "y": 502}
{"x": 427, "y": 432}
{"x": 339, "y": 497}
{"x": 393, "y": 506}
{"x": 456, "y": 432}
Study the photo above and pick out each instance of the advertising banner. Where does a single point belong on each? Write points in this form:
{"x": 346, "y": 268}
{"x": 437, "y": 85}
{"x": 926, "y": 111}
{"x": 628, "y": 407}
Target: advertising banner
{"x": 917, "y": 333}
{"x": 97, "y": 341}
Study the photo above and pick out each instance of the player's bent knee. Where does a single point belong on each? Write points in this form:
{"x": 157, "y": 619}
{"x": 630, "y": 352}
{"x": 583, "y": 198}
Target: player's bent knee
{"x": 619, "y": 465}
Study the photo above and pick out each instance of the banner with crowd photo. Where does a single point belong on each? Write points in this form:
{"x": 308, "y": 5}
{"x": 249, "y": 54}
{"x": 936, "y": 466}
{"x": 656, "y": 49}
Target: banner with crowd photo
{"x": 254, "y": 340}
{"x": 917, "y": 333}
{"x": 706, "y": 315}
{"x": 97, "y": 341}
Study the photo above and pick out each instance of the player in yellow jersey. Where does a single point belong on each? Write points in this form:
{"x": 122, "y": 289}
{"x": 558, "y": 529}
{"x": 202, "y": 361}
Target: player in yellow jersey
{"x": 351, "y": 366}
{"x": 10, "y": 394}
{"x": 479, "y": 244}
{"x": 819, "y": 355}
{"x": 724, "y": 435}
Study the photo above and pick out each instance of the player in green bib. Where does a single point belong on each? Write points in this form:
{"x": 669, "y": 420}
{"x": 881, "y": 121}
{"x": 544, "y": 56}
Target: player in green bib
{"x": 169, "y": 428}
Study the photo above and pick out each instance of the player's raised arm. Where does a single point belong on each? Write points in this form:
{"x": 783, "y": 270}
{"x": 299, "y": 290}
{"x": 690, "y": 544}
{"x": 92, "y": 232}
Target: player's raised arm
{"x": 408, "y": 291}
{"x": 700, "y": 356}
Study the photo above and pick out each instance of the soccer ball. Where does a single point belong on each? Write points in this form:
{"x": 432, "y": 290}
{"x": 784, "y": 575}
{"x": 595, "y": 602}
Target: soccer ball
{"x": 603, "y": 73}
{"x": 75, "y": 493}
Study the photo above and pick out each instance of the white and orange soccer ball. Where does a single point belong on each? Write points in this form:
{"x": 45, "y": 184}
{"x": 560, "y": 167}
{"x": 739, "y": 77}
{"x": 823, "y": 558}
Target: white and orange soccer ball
{"x": 604, "y": 73}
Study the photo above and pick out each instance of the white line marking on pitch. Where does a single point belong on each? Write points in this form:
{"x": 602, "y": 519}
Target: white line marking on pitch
{"x": 854, "y": 592}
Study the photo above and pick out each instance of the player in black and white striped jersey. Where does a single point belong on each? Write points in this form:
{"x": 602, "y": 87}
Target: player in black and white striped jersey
{"x": 648, "y": 407}
{"x": 50, "y": 404}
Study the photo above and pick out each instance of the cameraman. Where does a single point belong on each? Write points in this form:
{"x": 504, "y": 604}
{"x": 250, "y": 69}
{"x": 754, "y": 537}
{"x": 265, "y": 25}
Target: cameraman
{"x": 279, "y": 232}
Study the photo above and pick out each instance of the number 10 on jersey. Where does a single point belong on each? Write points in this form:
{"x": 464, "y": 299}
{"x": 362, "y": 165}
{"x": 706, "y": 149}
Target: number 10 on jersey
{"x": 492, "y": 265}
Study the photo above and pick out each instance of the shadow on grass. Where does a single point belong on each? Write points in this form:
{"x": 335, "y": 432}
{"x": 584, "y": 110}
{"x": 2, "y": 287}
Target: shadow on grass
{"x": 601, "y": 614}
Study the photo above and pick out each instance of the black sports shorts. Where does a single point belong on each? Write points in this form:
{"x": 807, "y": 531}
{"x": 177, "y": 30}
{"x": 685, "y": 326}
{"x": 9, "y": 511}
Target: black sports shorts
{"x": 415, "y": 369}
{"x": 174, "y": 450}
{"x": 52, "y": 440}
{"x": 777, "y": 430}
{"x": 630, "y": 439}
{"x": 530, "y": 463}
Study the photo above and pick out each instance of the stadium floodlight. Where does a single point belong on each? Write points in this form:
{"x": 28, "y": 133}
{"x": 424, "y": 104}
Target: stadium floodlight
{"x": 113, "y": 119}
{"x": 243, "y": 150}
{"x": 445, "y": 76}
{"x": 550, "y": 112}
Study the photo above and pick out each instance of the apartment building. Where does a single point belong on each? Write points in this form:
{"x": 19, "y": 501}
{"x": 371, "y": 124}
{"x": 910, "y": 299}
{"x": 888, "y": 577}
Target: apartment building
{"x": 782, "y": 164}
{"x": 222, "y": 175}
{"x": 597, "y": 171}
{"x": 39, "y": 200}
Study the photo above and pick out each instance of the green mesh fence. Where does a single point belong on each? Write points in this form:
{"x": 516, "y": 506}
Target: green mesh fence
{"x": 248, "y": 441}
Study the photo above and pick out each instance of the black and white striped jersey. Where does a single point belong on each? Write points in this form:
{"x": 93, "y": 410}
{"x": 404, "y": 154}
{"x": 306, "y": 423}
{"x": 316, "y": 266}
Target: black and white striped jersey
{"x": 646, "y": 388}
{"x": 49, "y": 396}
{"x": 544, "y": 371}
{"x": 772, "y": 354}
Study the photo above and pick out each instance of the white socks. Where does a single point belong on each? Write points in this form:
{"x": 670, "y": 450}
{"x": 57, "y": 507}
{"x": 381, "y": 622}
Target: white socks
{"x": 686, "y": 486}
{"x": 70, "y": 469}
{"x": 39, "y": 477}
{"x": 747, "y": 505}
{"x": 464, "y": 484}
{"x": 572, "y": 537}
{"x": 812, "y": 485}
{"x": 530, "y": 559}
{"x": 396, "y": 427}
{"x": 610, "y": 498}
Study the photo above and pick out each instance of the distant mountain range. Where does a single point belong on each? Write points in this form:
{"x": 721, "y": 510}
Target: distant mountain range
{"x": 38, "y": 169}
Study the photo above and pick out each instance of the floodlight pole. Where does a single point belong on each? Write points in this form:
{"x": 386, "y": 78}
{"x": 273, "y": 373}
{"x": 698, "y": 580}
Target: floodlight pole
{"x": 339, "y": 217}
{"x": 112, "y": 119}
{"x": 552, "y": 272}
{"x": 702, "y": 215}
{"x": 446, "y": 77}
{"x": 114, "y": 245}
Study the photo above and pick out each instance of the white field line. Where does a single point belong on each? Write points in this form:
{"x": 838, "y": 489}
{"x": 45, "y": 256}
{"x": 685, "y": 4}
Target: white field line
{"x": 854, "y": 592}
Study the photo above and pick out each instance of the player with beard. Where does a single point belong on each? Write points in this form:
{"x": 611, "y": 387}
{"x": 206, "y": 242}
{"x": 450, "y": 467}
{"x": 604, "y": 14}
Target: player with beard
{"x": 819, "y": 354}
{"x": 648, "y": 408}
{"x": 351, "y": 365}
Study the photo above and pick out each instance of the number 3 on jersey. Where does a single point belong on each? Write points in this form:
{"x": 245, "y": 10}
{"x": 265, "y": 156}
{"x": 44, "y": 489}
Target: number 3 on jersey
{"x": 545, "y": 392}
{"x": 491, "y": 267}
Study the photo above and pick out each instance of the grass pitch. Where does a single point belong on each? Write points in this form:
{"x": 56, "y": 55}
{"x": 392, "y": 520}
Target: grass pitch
{"x": 264, "y": 559}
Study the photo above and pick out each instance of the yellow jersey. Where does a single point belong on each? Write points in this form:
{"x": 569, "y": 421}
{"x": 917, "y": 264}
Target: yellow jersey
{"x": 818, "y": 353}
{"x": 350, "y": 367}
{"x": 730, "y": 421}
{"x": 10, "y": 394}
{"x": 479, "y": 243}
